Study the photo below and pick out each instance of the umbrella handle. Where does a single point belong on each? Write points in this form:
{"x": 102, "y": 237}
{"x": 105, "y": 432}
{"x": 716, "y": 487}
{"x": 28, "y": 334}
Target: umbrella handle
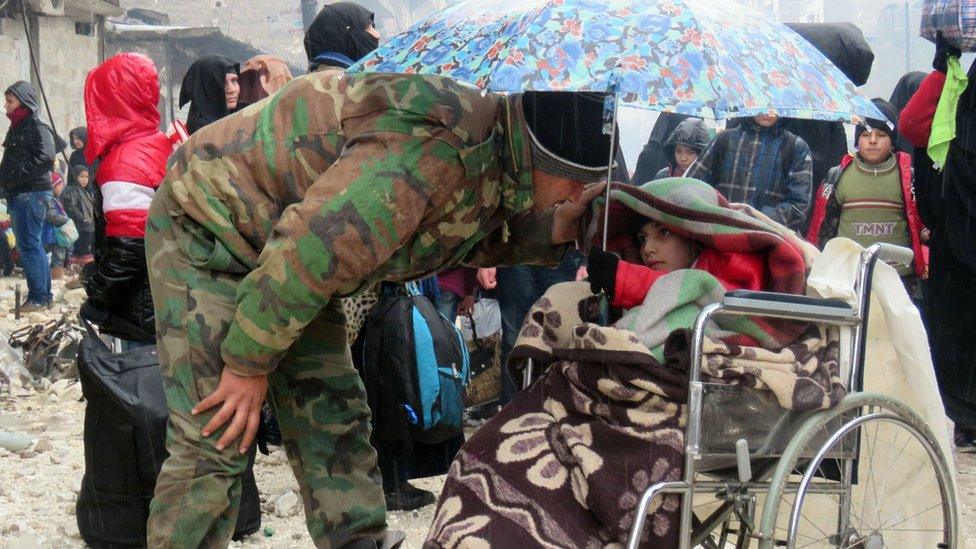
{"x": 606, "y": 203}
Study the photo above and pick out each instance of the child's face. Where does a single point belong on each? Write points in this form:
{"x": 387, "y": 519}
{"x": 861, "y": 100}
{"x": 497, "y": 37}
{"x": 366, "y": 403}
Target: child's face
{"x": 83, "y": 179}
{"x": 684, "y": 157}
{"x": 58, "y": 189}
{"x": 663, "y": 250}
{"x": 874, "y": 146}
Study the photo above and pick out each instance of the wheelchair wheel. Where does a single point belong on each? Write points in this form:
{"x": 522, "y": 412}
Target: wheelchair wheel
{"x": 866, "y": 474}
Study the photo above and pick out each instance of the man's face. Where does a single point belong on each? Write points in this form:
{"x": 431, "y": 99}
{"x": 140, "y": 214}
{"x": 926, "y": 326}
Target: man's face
{"x": 874, "y": 146}
{"x": 767, "y": 120}
{"x": 548, "y": 189}
{"x": 11, "y": 103}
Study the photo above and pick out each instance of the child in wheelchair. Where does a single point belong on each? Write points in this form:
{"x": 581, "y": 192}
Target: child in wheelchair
{"x": 564, "y": 464}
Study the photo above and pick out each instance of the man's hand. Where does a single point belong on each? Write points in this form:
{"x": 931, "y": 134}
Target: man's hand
{"x": 603, "y": 271}
{"x": 242, "y": 398}
{"x": 487, "y": 278}
{"x": 568, "y": 215}
{"x": 581, "y": 274}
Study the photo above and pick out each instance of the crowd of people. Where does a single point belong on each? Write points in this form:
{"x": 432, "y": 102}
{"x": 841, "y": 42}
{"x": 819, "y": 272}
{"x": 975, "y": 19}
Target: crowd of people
{"x": 227, "y": 240}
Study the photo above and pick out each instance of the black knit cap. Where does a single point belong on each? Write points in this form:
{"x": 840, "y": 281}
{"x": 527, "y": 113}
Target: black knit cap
{"x": 889, "y": 125}
{"x": 566, "y": 133}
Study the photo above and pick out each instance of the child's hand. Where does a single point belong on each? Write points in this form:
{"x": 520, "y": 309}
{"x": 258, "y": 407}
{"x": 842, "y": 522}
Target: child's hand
{"x": 602, "y": 267}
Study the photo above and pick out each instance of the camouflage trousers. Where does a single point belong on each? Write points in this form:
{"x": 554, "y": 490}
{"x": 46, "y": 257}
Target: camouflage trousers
{"x": 316, "y": 393}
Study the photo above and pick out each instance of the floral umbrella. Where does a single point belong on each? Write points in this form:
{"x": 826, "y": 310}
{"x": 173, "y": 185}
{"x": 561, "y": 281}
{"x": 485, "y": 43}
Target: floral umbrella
{"x": 706, "y": 58}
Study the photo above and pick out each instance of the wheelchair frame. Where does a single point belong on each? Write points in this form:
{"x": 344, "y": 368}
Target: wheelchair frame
{"x": 779, "y": 462}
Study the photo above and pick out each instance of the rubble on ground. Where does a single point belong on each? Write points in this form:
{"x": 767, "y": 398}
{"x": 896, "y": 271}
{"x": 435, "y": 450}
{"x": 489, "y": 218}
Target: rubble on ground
{"x": 42, "y": 454}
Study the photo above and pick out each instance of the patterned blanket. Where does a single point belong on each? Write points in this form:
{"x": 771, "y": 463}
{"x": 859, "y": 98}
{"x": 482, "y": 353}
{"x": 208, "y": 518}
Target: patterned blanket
{"x": 605, "y": 422}
{"x": 564, "y": 464}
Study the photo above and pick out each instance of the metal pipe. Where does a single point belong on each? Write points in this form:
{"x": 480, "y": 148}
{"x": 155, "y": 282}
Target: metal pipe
{"x": 613, "y": 155}
{"x": 641, "y": 515}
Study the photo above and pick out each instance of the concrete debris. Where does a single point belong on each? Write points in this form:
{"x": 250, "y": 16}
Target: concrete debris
{"x": 15, "y": 442}
{"x": 286, "y": 504}
{"x": 69, "y": 528}
{"x": 42, "y": 445}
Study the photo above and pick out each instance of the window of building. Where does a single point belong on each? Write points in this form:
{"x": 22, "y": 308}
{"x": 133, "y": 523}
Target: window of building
{"x": 84, "y": 29}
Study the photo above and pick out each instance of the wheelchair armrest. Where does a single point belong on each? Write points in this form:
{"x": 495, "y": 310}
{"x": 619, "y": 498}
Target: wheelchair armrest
{"x": 789, "y": 306}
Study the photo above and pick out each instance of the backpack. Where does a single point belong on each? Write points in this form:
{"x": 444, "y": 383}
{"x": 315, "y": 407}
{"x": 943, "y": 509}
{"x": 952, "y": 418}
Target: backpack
{"x": 415, "y": 367}
{"x": 125, "y": 446}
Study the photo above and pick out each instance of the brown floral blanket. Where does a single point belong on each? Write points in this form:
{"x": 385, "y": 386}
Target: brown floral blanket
{"x": 564, "y": 464}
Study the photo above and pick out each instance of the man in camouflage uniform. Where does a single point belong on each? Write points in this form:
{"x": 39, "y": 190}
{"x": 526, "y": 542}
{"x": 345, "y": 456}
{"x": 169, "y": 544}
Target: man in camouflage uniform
{"x": 332, "y": 184}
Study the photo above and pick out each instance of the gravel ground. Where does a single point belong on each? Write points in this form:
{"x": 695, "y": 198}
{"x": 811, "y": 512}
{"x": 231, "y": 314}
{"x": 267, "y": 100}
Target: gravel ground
{"x": 39, "y": 486}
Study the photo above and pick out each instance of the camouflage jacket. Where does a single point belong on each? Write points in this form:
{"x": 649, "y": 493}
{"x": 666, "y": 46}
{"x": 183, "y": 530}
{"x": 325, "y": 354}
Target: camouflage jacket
{"x": 340, "y": 181}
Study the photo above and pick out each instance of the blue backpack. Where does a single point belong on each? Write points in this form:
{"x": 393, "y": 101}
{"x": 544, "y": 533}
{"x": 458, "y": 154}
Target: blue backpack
{"x": 415, "y": 367}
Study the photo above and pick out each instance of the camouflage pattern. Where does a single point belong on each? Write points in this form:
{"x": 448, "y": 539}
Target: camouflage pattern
{"x": 329, "y": 186}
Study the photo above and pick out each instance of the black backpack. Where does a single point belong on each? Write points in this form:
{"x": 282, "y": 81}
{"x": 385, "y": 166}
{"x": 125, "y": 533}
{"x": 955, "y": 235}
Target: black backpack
{"x": 125, "y": 446}
{"x": 415, "y": 368}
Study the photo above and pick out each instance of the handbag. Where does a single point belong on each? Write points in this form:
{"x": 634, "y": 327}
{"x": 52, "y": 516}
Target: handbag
{"x": 66, "y": 234}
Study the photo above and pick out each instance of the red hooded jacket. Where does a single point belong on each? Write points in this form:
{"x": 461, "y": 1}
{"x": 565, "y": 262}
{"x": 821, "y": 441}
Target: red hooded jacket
{"x": 121, "y": 99}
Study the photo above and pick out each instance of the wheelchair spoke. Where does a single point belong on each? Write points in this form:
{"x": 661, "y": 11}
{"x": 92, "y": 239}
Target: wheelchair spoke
{"x": 920, "y": 513}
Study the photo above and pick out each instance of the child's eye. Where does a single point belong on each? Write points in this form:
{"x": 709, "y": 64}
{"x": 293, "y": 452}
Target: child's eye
{"x": 641, "y": 240}
{"x": 664, "y": 232}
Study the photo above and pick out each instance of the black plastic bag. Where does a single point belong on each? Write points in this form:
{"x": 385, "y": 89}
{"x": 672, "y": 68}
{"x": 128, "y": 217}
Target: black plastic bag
{"x": 843, "y": 44}
{"x": 125, "y": 446}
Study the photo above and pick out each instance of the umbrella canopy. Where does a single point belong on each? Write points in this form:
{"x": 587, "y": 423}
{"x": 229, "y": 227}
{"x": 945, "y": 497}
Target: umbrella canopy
{"x": 843, "y": 44}
{"x": 699, "y": 57}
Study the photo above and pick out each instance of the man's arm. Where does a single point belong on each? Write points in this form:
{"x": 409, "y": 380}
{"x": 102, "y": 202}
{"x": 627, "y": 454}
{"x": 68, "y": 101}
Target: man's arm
{"x": 352, "y": 220}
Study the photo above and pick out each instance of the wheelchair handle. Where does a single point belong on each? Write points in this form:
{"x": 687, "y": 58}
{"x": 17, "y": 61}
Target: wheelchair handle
{"x": 895, "y": 255}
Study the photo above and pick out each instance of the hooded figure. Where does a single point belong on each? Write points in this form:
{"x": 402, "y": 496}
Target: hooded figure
{"x": 652, "y": 159}
{"x": 338, "y": 36}
{"x": 691, "y": 133}
{"x": 121, "y": 96}
{"x": 904, "y": 90}
{"x": 204, "y": 89}
{"x": 29, "y": 149}
{"x": 25, "y": 180}
{"x": 346, "y": 180}
{"x": 77, "y": 157}
{"x": 261, "y": 76}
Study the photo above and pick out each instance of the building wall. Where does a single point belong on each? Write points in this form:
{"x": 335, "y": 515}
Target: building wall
{"x": 65, "y": 60}
{"x": 14, "y": 60}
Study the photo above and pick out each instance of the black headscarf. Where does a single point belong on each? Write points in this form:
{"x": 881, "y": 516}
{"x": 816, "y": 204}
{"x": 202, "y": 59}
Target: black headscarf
{"x": 338, "y": 37}
{"x": 203, "y": 89}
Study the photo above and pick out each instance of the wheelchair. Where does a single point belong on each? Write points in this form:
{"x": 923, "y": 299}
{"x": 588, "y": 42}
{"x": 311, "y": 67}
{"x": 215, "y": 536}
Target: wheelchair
{"x": 756, "y": 475}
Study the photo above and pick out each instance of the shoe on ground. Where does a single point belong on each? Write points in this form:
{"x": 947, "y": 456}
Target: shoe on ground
{"x": 408, "y": 498}
{"x": 393, "y": 540}
{"x": 31, "y": 307}
{"x": 964, "y": 439}
{"x": 74, "y": 284}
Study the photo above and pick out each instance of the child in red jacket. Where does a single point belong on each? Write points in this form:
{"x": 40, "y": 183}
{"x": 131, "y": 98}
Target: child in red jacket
{"x": 741, "y": 252}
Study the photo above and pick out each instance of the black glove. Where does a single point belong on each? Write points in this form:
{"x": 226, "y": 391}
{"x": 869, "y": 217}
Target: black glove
{"x": 943, "y": 49}
{"x": 602, "y": 268}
